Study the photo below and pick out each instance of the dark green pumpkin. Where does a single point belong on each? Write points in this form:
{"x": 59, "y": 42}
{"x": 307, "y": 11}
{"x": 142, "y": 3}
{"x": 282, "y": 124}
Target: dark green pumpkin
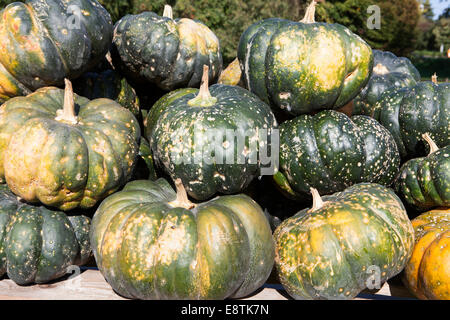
{"x": 338, "y": 247}
{"x": 166, "y": 52}
{"x": 425, "y": 182}
{"x": 301, "y": 67}
{"x": 152, "y": 243}
{"x": 410, "y": 112}
{"x": 108, "y": 84}
{"x": 38, "y": 245}
{"x": 65, "y": 150}
{"x": 187, "y": 131}
{"x": 389, "y": 72}
{"x": 42, "y": 42}
{"x": 330, "y": 152}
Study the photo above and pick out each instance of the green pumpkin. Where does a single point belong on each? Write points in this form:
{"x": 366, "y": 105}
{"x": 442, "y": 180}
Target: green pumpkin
{"x": 64, "y": 150}
{"x": 42, "y": 42}
{"x": 38, "y": 245}
{"x": 152, "y": 243}
{"x": 408, "y": 113}
{"x": 301, "y": 67}
{"x": 165, "y": 52}
{"x": 425, "y": 182}
{"x": 330, "y": 152}
{"x": 338, "y": 247}
{"x": 108, "y": 84}
{"x": 196, "y": 135}
{"x": 389, "y": 72}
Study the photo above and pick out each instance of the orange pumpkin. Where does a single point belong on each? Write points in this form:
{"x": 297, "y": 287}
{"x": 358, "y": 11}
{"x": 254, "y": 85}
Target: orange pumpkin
{"x": 427, "y": 274}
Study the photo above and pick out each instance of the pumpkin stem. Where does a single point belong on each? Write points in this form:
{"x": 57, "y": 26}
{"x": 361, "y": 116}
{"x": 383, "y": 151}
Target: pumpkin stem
{"x": 182, "y": 199}
{"x": 310, "y": 13}
{"x": 317, "y": 200}
{"x": 431, "y": 143}
{"x": 204, "y": 98}
{"x": 67, "y": 114}
{"x": 434, "y": 78}
{"x": 168, "y": 12}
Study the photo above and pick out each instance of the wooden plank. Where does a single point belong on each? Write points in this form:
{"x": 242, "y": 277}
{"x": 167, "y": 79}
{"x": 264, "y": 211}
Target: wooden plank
{"x": 90, "y": 285}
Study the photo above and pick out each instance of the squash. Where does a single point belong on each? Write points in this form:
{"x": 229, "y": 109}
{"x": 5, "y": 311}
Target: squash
{"x": 338, "y": 247}
{"x": 38, "y": 245}
{"x": 302, "y": 67}
{"x": 212, "y": 139}
{"x": 152, "y": 243}
{"x": 42, "y": 42}
{"x": 424, "y": 183}
{"x": 389, "y": 72}
{"x": 165, "y": 52}
{"x": 410, "y": 112}
{"x": 427, "y": 274}
{"x": 64, "y": 150}
{"x": 108, "y": 84}
{"x": 330, "y": 152}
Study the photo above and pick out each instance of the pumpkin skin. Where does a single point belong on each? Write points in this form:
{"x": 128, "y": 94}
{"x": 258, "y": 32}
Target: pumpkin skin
{"x": 168, "y": 53}
{"x": 181, "y": 151}
{"x": 408, "y": 113}
{"x": 62, "y": 157}
{"x": 389, "y": 72}
{"x": 145, "y": 168}
{"x": 108, "y": 84}
{"x": 302, "y": 67}
{"x": 41, "y": 43}
{"x": 330, "y": 151}
{"x": 424, "y": 182}
{"x": 327, "y": 252}
{"x": 37, "y": 245}
{"x": 232, "y": 75}
{"x": 149, "y": 243}
{"x": 427, "y": 274}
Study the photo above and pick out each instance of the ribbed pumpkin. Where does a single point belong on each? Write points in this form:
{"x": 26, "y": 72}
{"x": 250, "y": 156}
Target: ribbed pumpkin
{"x": 108, "y": 84}
{"x": 301, "y": 67}
{"x": 198, "y": 136}
{"x": 427, "y": 274}
{"x": 38, "y": 245}
{"x": 64, "y": 150}
{"x": 330, "y": 151}
{"x": 152, "y": 243}
{"x": 389, "y": 72}
{"x": 42, "y": 42}
{"x": 410, "y": 112}
{"x": 331, "y": 250}
{"x": 169, "y": 53}
{"x": 425, "y": 182}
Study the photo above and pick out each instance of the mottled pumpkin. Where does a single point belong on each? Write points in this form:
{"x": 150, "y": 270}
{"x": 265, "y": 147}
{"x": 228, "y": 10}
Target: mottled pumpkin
{"x": 152, "y": 243}
{"x": 38, "y": 245}
{"x": 336, "y": 248}
{"x": 425, "y": 182}
{"x": 305, "y": 66}
{"x": 166, "y": 52}
{"x": 410, "y": 112}
{"x": 330, "y": 152}
{"x": 42, "y": 42}
{"x": 64, "y": 150}
{"x": 389, "y": 72}
{"x": 427, "y": 274}
{"x": 108, "y": 84}
{"x": 213, "y": 139}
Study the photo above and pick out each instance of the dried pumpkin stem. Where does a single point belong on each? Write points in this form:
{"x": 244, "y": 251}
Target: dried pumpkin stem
{"x": 431, "y": 143}
{"x": 310, "y": 13}
{"x": 317, "y": 200}
{"x": 434, "y": 78}
{"x": 204, "y": 98}
{"x": 182, "y": 199}
{"x": 67, "y": 114}
{"x": 168, "y": 12}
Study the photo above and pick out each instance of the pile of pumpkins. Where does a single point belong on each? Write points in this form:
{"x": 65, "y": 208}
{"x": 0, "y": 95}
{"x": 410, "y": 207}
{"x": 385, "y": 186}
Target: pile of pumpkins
{"x": 100, "y": 121}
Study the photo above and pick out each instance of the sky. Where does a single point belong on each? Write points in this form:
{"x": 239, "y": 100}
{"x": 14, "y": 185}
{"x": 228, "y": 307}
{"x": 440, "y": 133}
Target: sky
{"x": 439, "y": 6}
